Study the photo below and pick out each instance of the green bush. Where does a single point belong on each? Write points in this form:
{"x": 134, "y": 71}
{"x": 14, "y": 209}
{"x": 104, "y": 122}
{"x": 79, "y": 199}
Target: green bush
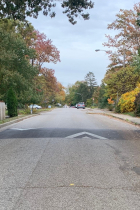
{"x": 89, "y": 102}
{"x": 137, "y": 105}
{"x": 103, "y": 102}
{"x": 35, "y": 111}
{"x": 25, "y": 111}
{"x": 110, "y": 107}
{"x": 117, "y": 109}
{"x": 12, "y": 103}
{"x": 28, "y": 111}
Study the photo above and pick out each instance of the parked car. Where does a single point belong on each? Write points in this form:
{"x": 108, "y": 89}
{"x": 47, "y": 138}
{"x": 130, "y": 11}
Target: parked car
{"x": 58, "y": 104}
{"x": 81, "y": 105}
{"x": 35, "y": 106}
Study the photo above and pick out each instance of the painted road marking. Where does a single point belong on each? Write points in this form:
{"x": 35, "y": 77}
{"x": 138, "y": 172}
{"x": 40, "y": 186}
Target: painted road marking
{"x": 85, "y": 133}
{"x": 21, "y": 129}
{"x": 71, "y": 184}
{"x": 86, "y": 137}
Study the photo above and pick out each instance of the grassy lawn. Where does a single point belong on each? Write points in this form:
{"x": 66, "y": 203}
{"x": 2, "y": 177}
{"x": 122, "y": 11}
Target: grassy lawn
{"x": 92, "y": 107}
{"x": 130, "y": 114}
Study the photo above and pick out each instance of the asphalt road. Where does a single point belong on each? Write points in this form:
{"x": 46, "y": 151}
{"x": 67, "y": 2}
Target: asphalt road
{"x": 70, "y": 160}
{"x": 70, "y": 122}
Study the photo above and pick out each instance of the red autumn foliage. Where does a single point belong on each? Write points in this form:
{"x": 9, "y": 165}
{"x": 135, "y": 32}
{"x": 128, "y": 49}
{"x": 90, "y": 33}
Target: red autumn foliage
{"x": 127, "y": 39}
{"x": 46, "y": 51}
{"x": 49, "y": 81}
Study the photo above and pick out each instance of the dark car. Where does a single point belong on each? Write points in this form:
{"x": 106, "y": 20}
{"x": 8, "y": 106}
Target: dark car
{"x": 81, "y": 105}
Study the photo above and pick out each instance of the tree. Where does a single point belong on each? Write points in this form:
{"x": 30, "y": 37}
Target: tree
{"x": 17, "y": 9}
{"x": 46, "y": 51}
{"x": 25, "y": 30}
{"x": 15, "y": 68}
{"x": 84, "y": 91}
{"x": 121, "y": 81}
{"x": 127, "y": 40}
{"x": 60, "y": 94}
{"x": 34, "y": 94}
{"x": 91, "y": 83}
{"x": 136, "y": 63}
{"x": 100, "y": 96}
{"x": 48, "y": 83}
{"x": 11, "y": 103}
{"x": 77, "y": 92}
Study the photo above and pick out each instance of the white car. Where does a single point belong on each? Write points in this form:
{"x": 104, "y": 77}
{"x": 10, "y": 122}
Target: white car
{"x": 58, "y": 104}
{"x": 35, "y": 106}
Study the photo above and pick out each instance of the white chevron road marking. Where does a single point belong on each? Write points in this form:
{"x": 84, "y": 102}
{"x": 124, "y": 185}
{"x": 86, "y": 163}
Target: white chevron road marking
{"x": 85, "y": 133}
{"x": 21, "y": 129}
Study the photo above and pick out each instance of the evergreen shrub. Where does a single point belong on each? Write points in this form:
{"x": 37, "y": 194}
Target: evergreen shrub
{"x": 117, "y": 108}
{"x": 12, "y": 103}
{"x": 102, "y": 103}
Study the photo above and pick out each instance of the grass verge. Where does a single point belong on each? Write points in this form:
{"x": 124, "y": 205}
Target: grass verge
{"x": 130, "y": 114}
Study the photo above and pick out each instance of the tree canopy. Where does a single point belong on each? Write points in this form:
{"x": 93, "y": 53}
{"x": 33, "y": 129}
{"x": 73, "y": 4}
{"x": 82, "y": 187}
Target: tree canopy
{"x": 91, "y": 82}
{"x": 21, "y": 9}
{"x": 45, "y": 50}
{"x": 121, "y": 81}
{"x": 127, "y": 39}
{"x": 81, "y": 90}
{"x": 15, "y": 68}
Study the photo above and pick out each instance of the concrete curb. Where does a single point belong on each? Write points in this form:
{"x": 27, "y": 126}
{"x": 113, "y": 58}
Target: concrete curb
{"x": 17, "y": 120}
{"x": 22, "y": 118}
{"x": 117, "y": 117}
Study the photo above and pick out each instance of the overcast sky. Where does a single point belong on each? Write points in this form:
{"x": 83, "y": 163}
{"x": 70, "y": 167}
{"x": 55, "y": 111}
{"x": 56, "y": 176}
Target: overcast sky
{"x": 77, "y": 43}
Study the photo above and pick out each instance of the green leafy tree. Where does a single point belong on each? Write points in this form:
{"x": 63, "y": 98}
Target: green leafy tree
{"x": 101, "y": 97}
{"x": 89, "y": 102}
{"x": 120, "y": 82}
{"x": 91, "y": 83}
{"x": 23, "y": 30}
{"x": 17, "y": 9}
{"x": 11, "y": 103}
{"x": 15, "y": 67}
{"x": 84, "y": 91}
{"x": 136, "y": 63}
{"x": 78, "y": 92}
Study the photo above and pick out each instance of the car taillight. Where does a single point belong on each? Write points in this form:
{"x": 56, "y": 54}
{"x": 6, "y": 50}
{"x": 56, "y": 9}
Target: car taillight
{"x": 78, "y": 105}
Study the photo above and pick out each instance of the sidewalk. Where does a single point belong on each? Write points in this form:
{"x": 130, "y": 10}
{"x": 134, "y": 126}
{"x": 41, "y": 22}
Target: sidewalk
{"x": 134, "y": 120}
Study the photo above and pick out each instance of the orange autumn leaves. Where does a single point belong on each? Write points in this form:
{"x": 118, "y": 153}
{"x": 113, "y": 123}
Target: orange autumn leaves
{"x": 110, "y": 101}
